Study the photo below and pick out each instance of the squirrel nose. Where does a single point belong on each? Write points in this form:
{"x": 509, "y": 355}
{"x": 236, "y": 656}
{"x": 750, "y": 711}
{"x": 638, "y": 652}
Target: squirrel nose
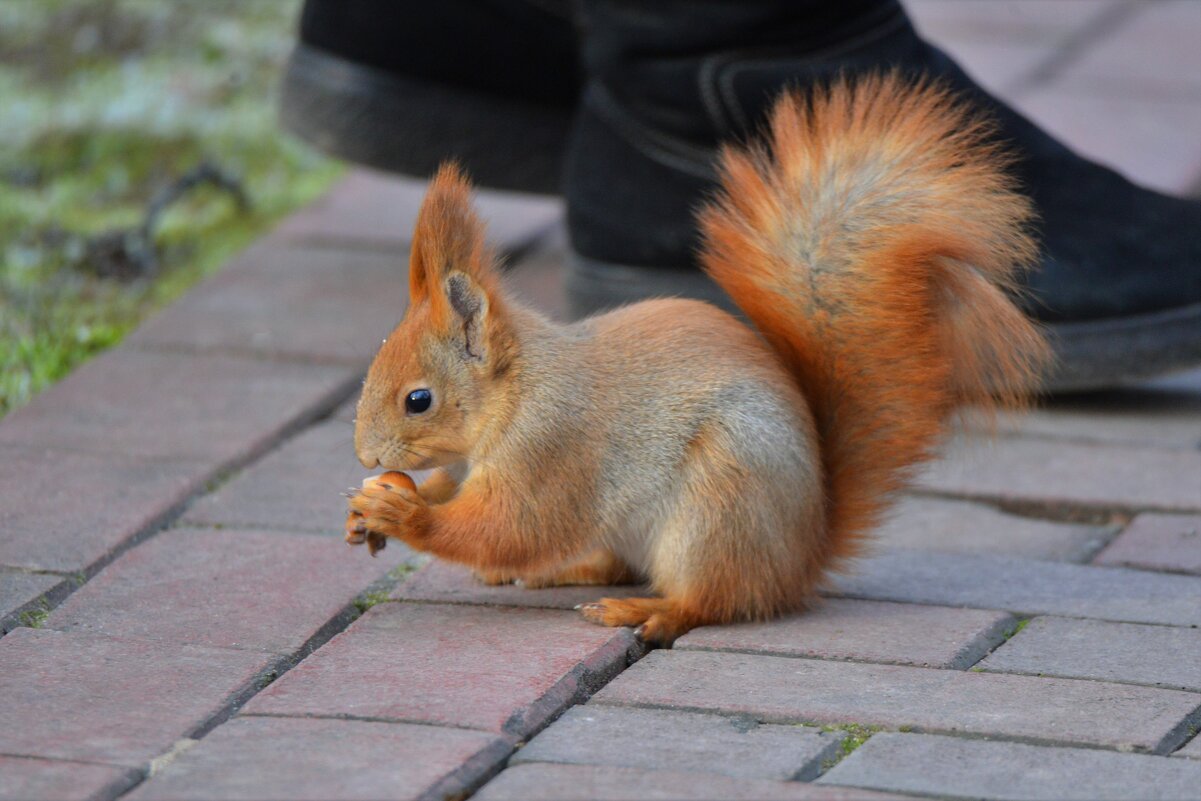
{"x": 368, "y": 459}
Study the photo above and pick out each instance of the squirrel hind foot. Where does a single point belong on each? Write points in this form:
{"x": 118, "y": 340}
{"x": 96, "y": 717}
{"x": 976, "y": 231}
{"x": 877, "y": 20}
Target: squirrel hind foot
{"x": 658, "y": 621}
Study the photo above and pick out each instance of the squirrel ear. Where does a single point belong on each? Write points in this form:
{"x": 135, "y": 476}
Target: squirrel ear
{"x": 449, "y": 235}
{"x": 469, "y": 302}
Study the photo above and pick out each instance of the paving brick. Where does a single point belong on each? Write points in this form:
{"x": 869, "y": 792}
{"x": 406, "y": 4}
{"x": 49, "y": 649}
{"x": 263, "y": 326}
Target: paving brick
{"x": 1166, "y": 656}
{"x": 307, "y": 303}
{"x": 175, "y": 406}
{"x": 1157, "y": 542}
{"x": 658, "y": 739}
{"x": 549, "y": 782}
{"x": 1153, "y": 416}
{"x": 502, "y": 670}
{"x": 67, "y": 511}
{"x": 450, "y": 583}
{"x": 788, "y": 690}
{"x": 22, "y": 593}
{"x": 1155, "y": 145}
{"x": 937, "y": 524}
{"x": 1192, "y": 749}
{"x": 870, "y": 631}
{"x": 263, "y": 590}
{"x": 26, "y": 779}
{"x": 960, "y": 768}
{"x": 537, "y": 278}
{"x": 105, "y": 699}
{"x": 1047, "y": 21}
{"x": 1154, "y": 52}
{"x": 1027, "y": 586}
{"x": 254, "y": 758}
{"x": 1069, "y": 473}
{"x": 370, "y": 209}
{"x": 297, "y": 486}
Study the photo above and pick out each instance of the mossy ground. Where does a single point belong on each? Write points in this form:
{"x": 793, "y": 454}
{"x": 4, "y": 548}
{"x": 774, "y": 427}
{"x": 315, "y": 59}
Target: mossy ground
{"x": 105, "y": 103}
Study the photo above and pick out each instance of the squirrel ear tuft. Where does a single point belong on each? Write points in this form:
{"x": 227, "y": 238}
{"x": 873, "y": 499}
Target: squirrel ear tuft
{"x": 449, "y": 235}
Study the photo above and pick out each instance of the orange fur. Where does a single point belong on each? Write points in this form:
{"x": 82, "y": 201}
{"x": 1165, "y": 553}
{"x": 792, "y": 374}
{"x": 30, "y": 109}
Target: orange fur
{"x": 871, "y": 241}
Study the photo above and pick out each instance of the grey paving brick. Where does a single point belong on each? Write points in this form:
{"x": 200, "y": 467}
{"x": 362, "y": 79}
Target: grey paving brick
{"x": 1156, "y": 146}
{"x": 27, "y": 779}
{"x": 1157, "y": 542}
{"x": 67, "y": 511}
{"x": 1069, "y": 473}
{"x": 76, "y": 696}
{"x": 1025, "y": 585}
{"x": 1191, "y": 749}
{"x": 501, "y": 670}
{"x": 938, "y": 524}
{"x": 370, "y": 209}
{"x": 1153, "y": 53}
{"x": 294, "y": 758}
{"x": 1167, "y": 656}
{"x": 234, "y": 588}
{"x": 24, "y": 593}
{"x": 298, "y": 486}
{"x": 296, "y": 302}
{"x": 871, "y": 631}
{"x": 1048, "y": 21}
{"x": 549, "y": 782}
{"x": 449, "y": 583}
{"x": 658, "y": 739}
{"x": 789, "y": 690}
{"x": 1151, "y": 415}
{"x": 952, "y": 767}
{"x": 175, "y": 406}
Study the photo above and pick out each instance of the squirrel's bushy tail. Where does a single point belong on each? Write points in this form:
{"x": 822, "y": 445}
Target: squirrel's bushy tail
{"x": 873, "y": 240}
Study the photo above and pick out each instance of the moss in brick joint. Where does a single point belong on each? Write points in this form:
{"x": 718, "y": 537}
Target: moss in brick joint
{"x": 370, "y": 599}
{"x": 36, "y": 617}
{"x": 1013, "y": 630}
{"x": 856, "y": 735}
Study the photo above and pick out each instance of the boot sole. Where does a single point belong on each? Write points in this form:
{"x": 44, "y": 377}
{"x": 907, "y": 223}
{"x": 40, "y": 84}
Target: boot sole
{"x": 387, "y": 121}
{"x": 1091, "y": 355}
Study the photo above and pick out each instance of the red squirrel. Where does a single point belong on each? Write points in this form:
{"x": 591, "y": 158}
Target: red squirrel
{"x": 872, "y": 240}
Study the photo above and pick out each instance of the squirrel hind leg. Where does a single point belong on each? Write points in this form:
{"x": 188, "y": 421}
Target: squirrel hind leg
{"x": 658, "y": 621}
{"x": 598, "y": 567}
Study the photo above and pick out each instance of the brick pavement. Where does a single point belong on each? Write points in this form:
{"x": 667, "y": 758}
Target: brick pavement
{"x": 179, "y": 620}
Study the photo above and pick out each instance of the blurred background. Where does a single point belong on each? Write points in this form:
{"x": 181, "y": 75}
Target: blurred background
{"x": 138, "y": 151}
{"x": 139, "y": 146}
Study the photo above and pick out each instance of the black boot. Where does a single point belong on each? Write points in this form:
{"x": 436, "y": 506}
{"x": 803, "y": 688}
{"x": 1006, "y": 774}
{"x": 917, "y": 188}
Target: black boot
{"x": 1120, "y": 281}
{"x": 402, "y": 85}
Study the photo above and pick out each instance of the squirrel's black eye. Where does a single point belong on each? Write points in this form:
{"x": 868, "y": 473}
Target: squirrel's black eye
{"x": 418, "y": 401}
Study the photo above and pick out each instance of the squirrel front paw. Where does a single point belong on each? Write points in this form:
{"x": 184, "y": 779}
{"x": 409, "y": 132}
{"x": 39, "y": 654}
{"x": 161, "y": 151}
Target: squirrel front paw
{"x": 386, "y": 506}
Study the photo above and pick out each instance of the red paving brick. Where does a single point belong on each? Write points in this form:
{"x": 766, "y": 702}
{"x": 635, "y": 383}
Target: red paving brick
{"x": 23, "y": 779}
{"x": 872, "y": 631}
{"x": 67, "y": 511}
{"x": 450, "y": 583}
{"x": 255, "y": 758}
{"x": 298, "y": 486}
{"x": 70, "y": 695}
{"x": 264, "y": 590}
{"x": 175, "y": 406}
{"x": 501, "y": 670}
{"x": 368, "y": 209}
{"x": 1157, "y": 542}
{"x": 350, "y": 299}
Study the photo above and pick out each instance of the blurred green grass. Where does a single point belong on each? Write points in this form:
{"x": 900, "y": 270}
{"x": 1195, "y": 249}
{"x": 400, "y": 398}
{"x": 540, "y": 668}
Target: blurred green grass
{"x": 104, "y": 103}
